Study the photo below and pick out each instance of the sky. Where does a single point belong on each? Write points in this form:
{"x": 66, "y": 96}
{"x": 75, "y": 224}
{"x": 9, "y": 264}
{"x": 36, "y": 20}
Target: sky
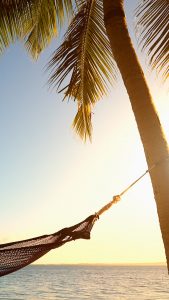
{"x": 50, "y": 179}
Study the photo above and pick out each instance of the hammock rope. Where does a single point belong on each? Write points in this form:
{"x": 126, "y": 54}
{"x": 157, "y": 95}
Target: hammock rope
{"x": 117, "y": 198}
{"x": 16, "y": 255}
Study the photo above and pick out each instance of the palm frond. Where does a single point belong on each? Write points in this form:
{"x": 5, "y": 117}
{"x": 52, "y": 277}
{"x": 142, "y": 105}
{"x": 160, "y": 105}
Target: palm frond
{"x": 44, "y": 23}
{"x": 85, "y": 60}
{"x": 153, "y": 34}
{"x": 41, "y": 26}
{"x": 10, "y": 21}
{"x": 34, "y": 21}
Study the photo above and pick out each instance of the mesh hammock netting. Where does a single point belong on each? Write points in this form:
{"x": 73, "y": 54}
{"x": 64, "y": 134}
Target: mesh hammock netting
{"x": 16, "y": 255}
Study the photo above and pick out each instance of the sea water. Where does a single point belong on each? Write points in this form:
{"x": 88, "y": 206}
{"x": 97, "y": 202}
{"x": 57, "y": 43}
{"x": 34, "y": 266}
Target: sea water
{"x": 86, "y": 282}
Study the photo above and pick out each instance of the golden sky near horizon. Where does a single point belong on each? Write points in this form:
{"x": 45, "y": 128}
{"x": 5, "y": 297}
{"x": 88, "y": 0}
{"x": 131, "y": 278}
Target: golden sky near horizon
{"x": 129, "y": 232}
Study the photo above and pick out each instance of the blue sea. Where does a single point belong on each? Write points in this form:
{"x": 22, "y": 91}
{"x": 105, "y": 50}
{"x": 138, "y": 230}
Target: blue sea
{"x": 86, "y": 282}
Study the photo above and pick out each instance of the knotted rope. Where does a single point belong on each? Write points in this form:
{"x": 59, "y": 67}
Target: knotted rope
{"x": 117, "y": 198}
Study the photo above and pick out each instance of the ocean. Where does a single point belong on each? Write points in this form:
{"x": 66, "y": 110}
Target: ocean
{"x": 86, "y": 282}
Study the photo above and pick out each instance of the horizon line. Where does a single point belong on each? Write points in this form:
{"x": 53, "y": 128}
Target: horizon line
{"x": 103, "y": 264}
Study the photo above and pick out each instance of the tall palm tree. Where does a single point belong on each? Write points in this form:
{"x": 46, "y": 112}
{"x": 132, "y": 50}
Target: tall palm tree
{"x": 95, "y": 46}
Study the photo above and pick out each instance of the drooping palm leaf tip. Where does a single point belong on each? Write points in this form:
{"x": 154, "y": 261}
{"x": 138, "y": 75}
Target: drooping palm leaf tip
{"x": 152, "y": 24}
{"x": 85, "y": 60}
{"x": 35, "y": 22}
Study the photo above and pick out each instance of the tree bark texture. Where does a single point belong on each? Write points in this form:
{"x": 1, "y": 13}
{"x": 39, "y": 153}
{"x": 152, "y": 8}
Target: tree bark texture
{"x": 151, "y": 133}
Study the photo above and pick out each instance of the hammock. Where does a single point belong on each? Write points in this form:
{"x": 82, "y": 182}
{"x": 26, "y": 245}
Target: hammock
{"x": 16, "y": 255}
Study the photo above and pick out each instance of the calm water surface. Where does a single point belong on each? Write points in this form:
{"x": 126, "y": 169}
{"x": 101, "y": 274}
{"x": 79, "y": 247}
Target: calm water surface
{"x": 86, "y": 282}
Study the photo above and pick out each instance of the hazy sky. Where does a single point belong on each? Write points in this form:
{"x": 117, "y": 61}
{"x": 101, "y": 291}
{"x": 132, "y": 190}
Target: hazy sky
{"x": 50, "y": 179}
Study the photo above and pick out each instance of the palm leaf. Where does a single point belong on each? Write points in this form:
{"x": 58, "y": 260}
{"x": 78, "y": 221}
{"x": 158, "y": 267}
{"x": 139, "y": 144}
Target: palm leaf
{"x": 85, "y": 60}
{"x": 34, "y": 21}
{"x": 41, "y": 27}
{"x": 153, "y": 34}
{"x": 10, "y": 21}
{"x": 47, "y": 19}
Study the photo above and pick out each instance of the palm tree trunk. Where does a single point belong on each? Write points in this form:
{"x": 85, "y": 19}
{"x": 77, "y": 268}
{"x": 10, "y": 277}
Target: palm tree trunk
{"x": 151, "y": 133}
